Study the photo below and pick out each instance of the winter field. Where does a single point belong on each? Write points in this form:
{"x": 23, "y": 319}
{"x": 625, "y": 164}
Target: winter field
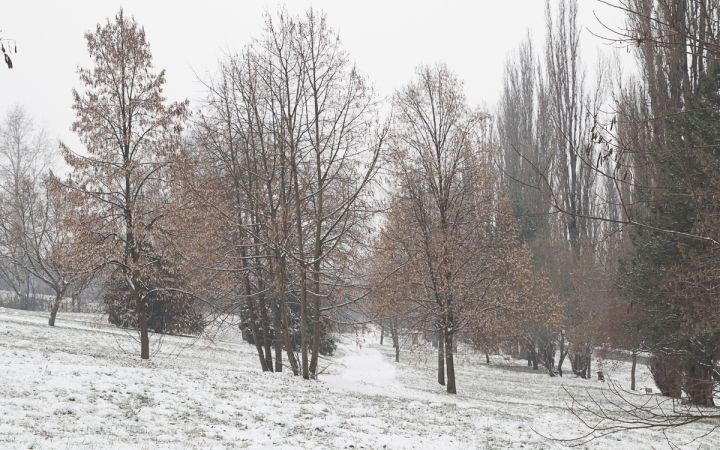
{"x": 82, "y": 385}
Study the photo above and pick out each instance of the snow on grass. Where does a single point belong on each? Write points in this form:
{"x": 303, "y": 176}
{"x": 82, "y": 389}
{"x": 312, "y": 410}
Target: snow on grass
{"x": 82, "y": 385}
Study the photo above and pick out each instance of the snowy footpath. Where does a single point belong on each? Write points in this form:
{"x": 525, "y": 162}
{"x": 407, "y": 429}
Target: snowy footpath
{"x": 363, "y": 370}
{"x": 81, "y": 385}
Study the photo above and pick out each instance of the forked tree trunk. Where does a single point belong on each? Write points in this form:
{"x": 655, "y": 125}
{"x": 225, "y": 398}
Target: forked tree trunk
{"x": 441, "y": 358}
{"x": 284, "y": 315}
{"x": 251, "y": 307}
{"x": 54, "y": 307}
{"x": 546, "y": 356}
{"x": 254, "y": 330}
{"x": 288, "y": 340}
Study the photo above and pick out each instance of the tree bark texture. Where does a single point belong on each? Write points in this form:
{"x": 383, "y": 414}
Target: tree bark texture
{"x": 441, "y": 358}
{"x": 449, "y": 361}
{"x": 55, "y": 306}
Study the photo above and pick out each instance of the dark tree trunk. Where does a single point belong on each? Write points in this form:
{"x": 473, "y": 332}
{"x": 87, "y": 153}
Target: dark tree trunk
{"x": 317, "y": 323}
{"x": 285, "y": 319}
{"x": 396, "y": 340}
{"x": 265, "y": 323}
{"x": 382, "y": 334}
{"x": 142, "y": 322}
{"x": 254, "y": 331}
{"x": 528, "y": 355}
{"x": 304, "y": 340}
{"x": 699, "y": 385}
{"x": 277, "y": 325}
{"x": 251, "y": 310}
{"x": 487, "y": 357}
{"x": 632, "y": 371}
{"x": 545, "y": 355}
{"x": 449, "y": 362}
{"x": 563, "y": 353}
{"x": 262, "y": 300}
{"x": 289, "y": 340}
{"x": 54, "y": 307}
{"x": 441, "y": 358}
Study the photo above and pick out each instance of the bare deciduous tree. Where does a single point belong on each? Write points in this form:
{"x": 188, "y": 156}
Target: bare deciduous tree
{"x": 25, "y": 157}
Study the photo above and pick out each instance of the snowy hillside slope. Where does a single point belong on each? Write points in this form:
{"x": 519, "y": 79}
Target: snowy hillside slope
{"x": 82, "y": 385}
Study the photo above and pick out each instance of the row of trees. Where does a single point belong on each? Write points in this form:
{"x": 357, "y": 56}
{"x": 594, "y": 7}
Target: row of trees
{"x": 263, "y": 209}
{"x": 257, "y": 211}
{"x": 546, "y": 124}
{"x": 288, "y": 203}
{"x": 447, "y": 260}
{"x": 634, "y": 158}
{"x": 667, "y": 139}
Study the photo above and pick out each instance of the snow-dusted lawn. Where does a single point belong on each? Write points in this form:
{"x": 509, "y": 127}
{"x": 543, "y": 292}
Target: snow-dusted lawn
{"x": 82, "y": 385}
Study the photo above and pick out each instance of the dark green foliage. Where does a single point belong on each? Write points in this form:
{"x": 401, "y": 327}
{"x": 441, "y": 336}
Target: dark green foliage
{"x": 170, "y": 309}
{"x": 327, "y": 343}
{"x": 671, "y": 279}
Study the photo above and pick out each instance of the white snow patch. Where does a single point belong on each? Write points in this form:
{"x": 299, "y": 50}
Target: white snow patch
{"x": 73, "y": 386}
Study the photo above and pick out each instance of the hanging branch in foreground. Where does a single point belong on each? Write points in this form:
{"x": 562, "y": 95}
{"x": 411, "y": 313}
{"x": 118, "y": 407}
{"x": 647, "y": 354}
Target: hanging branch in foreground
{"x": 10, "y": 49}
{"x": 616, "y": 410}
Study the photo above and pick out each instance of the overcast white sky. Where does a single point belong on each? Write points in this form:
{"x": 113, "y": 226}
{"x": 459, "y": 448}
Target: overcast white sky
{"x": 386, "y": 38}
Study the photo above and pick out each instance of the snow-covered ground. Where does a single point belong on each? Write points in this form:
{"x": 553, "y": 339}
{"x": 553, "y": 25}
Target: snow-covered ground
{"x": 82, "y": 385}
